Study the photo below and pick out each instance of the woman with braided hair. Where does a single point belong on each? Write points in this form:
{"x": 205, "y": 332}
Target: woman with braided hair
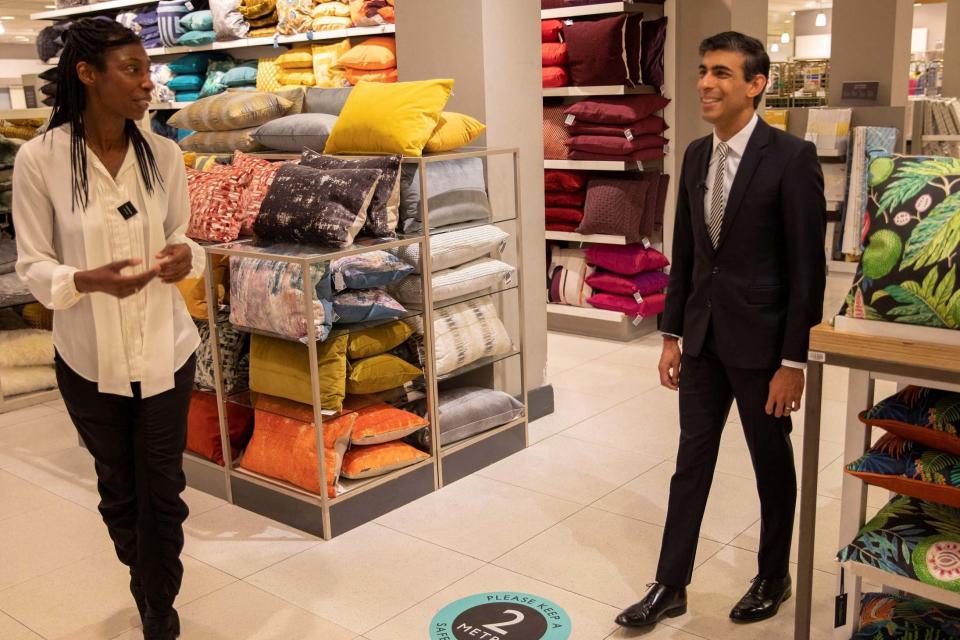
{"x": 101, "y": 208}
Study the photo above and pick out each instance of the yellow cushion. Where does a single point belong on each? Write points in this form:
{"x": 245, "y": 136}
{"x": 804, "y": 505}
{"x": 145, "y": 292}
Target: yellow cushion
{"x": 190, "y": 159}
{"x": 294, "y": 16}
{"x": 296, "y": 58}
{"x": 230, "y": 110}
{"x": 269, "y": 20}
{"x": 194, "y": 291}
{"x": 377, "y": 340}
{"x": 299, "y": 77}
{"x": 373, "y": 54}
{"x": 330, "y": 23}
{"x": 380, "y": 373}
{"x": 267, "y": 71}
{"x": 454, "y": 130}
{"x": 221, "y": 141}
{"x": 262, "y": 32}
{"x": 38, "y": 316}
{"x": 257, "y": 8}
{"x": 389, "y": 118}
{"x": 325, "y": 58}
{"x": 340, "y": 9}
{"x": 282, "y": 368}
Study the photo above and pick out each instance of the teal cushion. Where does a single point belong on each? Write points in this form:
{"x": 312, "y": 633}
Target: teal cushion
{"x": 197, "y": 21}
{"x": 192, "y": 63}
{"x": 214, "y": 83}
{"x": 188, "y": 82}
{"x": 196, "y": 38}
{"x": 244, "y": 74}
{"x": 187, "y": 96}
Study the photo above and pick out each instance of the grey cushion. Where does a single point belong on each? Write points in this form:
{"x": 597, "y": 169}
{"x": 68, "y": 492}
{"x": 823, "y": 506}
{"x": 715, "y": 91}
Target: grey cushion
{"x": 8, "y": 255}
{"x": 467, "y": 411}
{"x": 456, "y": 190}
{"x": 293, "y": 133}
{"x": 13, "y": 291}
{"x": 327, "y": 100}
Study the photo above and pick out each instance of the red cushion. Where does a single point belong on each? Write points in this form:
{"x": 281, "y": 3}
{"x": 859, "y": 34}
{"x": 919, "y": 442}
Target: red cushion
{"x": 615, "y": 206}
{"x": 554, "y": 133}
{"x": 616, "y": 145}
{"x": 215, "y": 204}
{"x": 650, "y": 306}
{"x": 650, "y": 124}
{"x": 563, "y": 180}
{"x": 550, "y": 30}
{"x": 624, "y": 111}
{"x": 632, "y": 43}
{"x": 646, "y": 283}
{"x": 565, "y": 198}
{"x": 203, "y": 427}
{"x": 553, "y": 54}
{"x": 595, "y": 52}
{"x": 644, "y": 155}
{"x": 654, "y": 37}
{"x": 555, "y": 77}
{"x": 568, "y": 227}
{"x": 563, "y": 214}
{"x": 927, "y": 491}
{"x": 626, "y": 259}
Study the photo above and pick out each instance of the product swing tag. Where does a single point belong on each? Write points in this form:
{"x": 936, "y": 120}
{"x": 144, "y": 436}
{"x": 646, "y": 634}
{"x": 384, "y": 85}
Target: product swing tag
{"x": 646, "y": 243}
{"x": 638, "y": 297}
{"x": 637, "y": 320}
{"x": 568, "y": 22}
{"x": 840, "y": 607}
{"x": 570, "y": 120}
{"x": 628, "y": 134}
{"x": 127, "y": 210}
{"x": 189, "y": 6}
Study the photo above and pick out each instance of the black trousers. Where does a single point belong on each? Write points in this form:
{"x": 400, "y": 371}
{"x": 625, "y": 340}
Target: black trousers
{"x": 707, "y": 391}
{"x": 137, "y": 446}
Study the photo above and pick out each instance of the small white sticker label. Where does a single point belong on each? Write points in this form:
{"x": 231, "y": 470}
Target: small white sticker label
{"x": 817, "y": 356}
{"x": 646, "y": 243}
{"x": 339, "y": 283}
{"x": 638, "y": 298}
{"x": 570, "y": 120}
{"x": 568, "y": 22}
{"x": 628, "y": 134}
{"x": 637, "y": 321}
{"x": 189, "y": 6}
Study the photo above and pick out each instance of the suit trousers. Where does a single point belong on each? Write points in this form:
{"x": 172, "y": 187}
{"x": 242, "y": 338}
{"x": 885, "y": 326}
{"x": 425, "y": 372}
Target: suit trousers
{"x": 707, "y": 391}
{"x": 137, "y": 445}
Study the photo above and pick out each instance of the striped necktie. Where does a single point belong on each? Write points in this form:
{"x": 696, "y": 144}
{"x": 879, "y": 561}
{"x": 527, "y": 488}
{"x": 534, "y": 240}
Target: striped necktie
{"x": 717, "y": 203}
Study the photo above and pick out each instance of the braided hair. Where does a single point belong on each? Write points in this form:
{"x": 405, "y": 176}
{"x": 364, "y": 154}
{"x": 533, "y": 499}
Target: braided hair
{"x": 88, "y": 40}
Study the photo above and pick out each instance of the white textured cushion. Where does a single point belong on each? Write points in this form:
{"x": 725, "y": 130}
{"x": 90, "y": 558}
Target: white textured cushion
{"x": 25, "y": 348}
{"x": 452, "y": 249}
{"x": 17, "y": 380}
{"x": 473, "y": 277}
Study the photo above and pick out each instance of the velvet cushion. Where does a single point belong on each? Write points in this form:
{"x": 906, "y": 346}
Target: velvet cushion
{"x": 649, "y": 125}
{"x": 643, "y": 155}
{"x": 368, "y": 270}
{"x": 616, "y": 207}
{"x": 186, "y": 82}
{"x": 197, "y": 39}
{"x": 653, "y": 38}
{"x": 563, "y": 214}
{"x": 895, "y": 617}
{"x": 454, "y": 248}
{"x": 314, "y": 206}
{"x": 294, "y": 133}
{"x": 574, "y": 199}
{"x": 454, "y": 130}
{"x": 595, "y": 53}
{"x": 356, "y": 76}
{"x": 615, "y": 145}
{"x": 632, "y": 47}
{"x": 553, "y": 54}
{"x": 928, "y": 416}
{"x": 907, "y": 272}
{"x": 568, "y": 275}
{"x": 468, "y": 411}
{"x": 567, "y": 227}
{"x": 377, "y": 340}
{"x": 380, "y": 459}
{"x": 479, "y": 275}
{"x": 626, "y": 259}
{"x": 554, "y": 76}
{"x": 911, "y": 538}
{"x": 192, "y": 63}
{"x": 622, "y": 111}
{"x": 911, "y": 469}
{"x": 203, "y": 427}
{"x": 651, "y": 305}
{"x": 327, "y": 100}
{"x": 644, "y": 284}
{"x": 268, "y": 295}
{"x": 550, "y": 30}
{"x": 382, "y": 422}
{"x": 372, "y": 54}
{"x": 234, "y": 356}
{"x": 380, "y": 373}
{"x": 555, "y": 134}
{"x": 383, "y": 214}
{"x": 214, "y": 204}
{"x": 563, "y": 180}
{"x": 282, "y": 368}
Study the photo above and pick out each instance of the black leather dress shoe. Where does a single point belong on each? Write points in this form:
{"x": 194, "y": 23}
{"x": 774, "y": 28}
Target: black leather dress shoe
{"x": 763, "y": 600}
{"x": 161, "y": 627}
{"x": 659, "y": 603}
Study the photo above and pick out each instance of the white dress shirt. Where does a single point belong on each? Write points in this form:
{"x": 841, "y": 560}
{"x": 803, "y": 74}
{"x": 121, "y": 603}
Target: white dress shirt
{"x": 143, "y": 338}
{"x": 736, "y": 146}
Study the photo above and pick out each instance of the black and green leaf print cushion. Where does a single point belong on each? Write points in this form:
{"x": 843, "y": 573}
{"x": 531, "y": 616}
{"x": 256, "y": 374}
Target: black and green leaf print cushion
{"x": 911, "y": 239}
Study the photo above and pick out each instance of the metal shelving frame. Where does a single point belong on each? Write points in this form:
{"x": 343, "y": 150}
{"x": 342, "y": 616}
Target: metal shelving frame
{"x": 367, "y": 499}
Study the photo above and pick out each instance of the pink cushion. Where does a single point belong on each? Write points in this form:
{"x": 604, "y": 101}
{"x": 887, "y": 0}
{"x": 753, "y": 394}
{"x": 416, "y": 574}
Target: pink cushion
{"x": 617, "y": 110}
{"x": 646, "y": 283}
{"x": 215, "y": 213}
{"x": 650, "y": 306}
{"x": 617, "y": 145}
{"x": 650, "y": 124}
{"x": 626, "y": 259}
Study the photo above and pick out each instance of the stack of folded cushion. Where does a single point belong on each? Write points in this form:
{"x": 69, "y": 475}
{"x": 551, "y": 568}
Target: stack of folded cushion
{"x": 885, "y": 616}
{"x": 227, "y": 20}
{"x": 188, "y": 75}
{"x": 553, "y": 54}
{"x": 330, "y": 15}
{"x": 160, "y": 75}
{"x": 12, "y": 289}
{"x": 629, "y": 207}
{"x": 198, "y": 29}
{"x": 372, "y": 13}
{"x": 374, "y": 60}
{"x": 568, "y": 273}
{"x": 294, "y": 17}
{"x": 226, "y": 122}
{"x": 295, "y": 67}
{"x": 146, "y": 24}
{"x": 628, "y": 279}
{"x": 169, "y": 13}
{"x": 564, "y": 197}
{"x": 360, "y": 284}
{"x": 26, "y": 361}
{"x": 616, "y": 128}
{"x": 215, "y": 81}
{"x": 261, "y": 15}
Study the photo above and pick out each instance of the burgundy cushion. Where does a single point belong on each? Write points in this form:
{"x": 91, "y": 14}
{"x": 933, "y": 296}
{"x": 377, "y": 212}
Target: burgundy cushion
{"x": 625, "y": 111}
{"x": 595, "y": 51}
{"x": 562, "y": 180}
{"x": 615, "y": 206}
{"x": 550, "y": 30}
{"x": 632, "y": 47}
{"x": 563, "y": 214}
{"x": 651, "y": 306}
{"x": 616, "y": 145}
{"x": 646, "y": 283}
{"x": 662, "y": 190}
{"x": 643, "y": 155}
{"x": 555, "y": 77}
{"x": 650, "y": 124}
{"x": 553, "y": 54}
{"x": 626, "y": 259}
{"x": 651, "y": 57}
{"x": 565, "y": 198}
{"x": 554, "y": 133}
{"x": 569, "y": 227}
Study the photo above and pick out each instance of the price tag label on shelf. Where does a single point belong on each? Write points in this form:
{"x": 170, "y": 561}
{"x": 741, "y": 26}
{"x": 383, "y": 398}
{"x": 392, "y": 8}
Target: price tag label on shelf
{"x": 816, "y": 356}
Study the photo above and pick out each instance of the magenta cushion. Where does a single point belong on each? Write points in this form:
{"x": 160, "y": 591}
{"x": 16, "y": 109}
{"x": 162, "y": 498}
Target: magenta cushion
{"x": 646, "y": 283}
{"x": 651, "y": 306}
{"x": 616, "y": 145}
{"x": 625, "y": 111}
{"x": 626, "y": 259}
{"x": 595, "y": 51}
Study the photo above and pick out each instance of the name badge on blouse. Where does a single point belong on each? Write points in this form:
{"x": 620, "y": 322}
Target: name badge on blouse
{"x": 127, "y": 210}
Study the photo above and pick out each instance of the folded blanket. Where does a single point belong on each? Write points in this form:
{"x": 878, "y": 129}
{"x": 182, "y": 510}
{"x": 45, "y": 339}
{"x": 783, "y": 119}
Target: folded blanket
{"x": 19, "y": 380}
{"x": 26, "y": 348}
{"x": 146, "y": 19}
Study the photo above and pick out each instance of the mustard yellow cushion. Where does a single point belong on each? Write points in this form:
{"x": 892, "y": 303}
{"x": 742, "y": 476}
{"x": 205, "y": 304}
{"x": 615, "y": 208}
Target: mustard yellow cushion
{"x": 297, "y": 77}
{"x": 230, "y": 110}
{"x": 380, "y": 373}
{"x": 269, "y": 20}
{"x": 373, "y": 54}
{"x": 39, "y": 317}
{"x": 296, "y": 58}
{"x": 282, "y": 368}
{"x": 330, "y": 23}
{"x": 377, "y": 340}
{"x": 340, "y": 9}
{"x": 262, "y": 32}
{"x": 221, "y": 141}
{"x": 257, "y": 8}
{"x": 454, "y": 130}
{"x": 392, "y": 118}
{"x": 194, "y": 291}
{"x": 325, "y": 63}
{"x": 189, "y": 159}
{"x": 267, "y": 71}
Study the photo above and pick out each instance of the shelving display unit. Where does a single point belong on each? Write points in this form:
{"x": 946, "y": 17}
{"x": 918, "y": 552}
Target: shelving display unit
{"x": 798, "y": 84}
{"x": 365, "y": 500}
{"x": 582, "y": 320}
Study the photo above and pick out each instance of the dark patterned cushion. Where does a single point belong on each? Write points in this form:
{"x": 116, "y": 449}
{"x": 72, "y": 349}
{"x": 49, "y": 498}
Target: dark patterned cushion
{"x": 616, "y": 206}
{"x": 308, "y": 205}
{"x": 886, "y": 616}
{"x": 908, "y": 271}
{"x": 384, "y": 212}
{"x": 234, "y": 356}
{"x": 928, "y": 416}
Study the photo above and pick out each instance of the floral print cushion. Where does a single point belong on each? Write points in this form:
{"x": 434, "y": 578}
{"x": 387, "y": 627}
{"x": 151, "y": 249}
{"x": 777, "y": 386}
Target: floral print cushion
{"x": 911, "y": 239}
{"x": 894, "y": 617}
{"x": 928, "y": 416}
{"x": 234, "y": 356}
{"x": 911, "y": 538}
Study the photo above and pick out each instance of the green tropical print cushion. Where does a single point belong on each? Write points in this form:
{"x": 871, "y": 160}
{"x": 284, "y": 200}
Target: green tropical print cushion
{"x": 911, "y": 239}
{"x": 900, "y": 617}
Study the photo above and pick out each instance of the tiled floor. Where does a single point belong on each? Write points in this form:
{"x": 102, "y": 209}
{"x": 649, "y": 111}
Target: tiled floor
{"x": 576, "y": 518}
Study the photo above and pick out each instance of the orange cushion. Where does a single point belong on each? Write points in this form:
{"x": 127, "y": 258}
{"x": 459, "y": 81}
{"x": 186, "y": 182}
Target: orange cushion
{"x": 385, "y": 75}
{"x": 203, "y": 427}
{"x": 555, "y": 76}
{"x": 373, "y": 54}
{"x": 378, "y": 459}
{"x": 927, "y": 491}
{"x": 941, "y": 440}
{"x": 384, "y": 423}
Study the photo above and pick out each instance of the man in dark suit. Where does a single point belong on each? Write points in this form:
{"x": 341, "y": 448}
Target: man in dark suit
{"x": 746, "y": 286}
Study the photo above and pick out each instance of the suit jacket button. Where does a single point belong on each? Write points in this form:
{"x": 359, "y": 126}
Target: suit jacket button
{"x": 716, "y": 270}
{"x": 709, "y": 305}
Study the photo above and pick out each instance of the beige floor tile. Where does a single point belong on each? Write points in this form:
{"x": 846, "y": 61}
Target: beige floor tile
{"x": 570, "y": 469}
{"x": 733, "y": 504}
{"x": 616, "y": 381}
{"x": 48, "y": 433}
{"x": 21, "y": 416}
{"x": 734, "y": 457}
{"x": 647, "y": 424}
{"x": 830, "y": 483}
{"x": 597, "y": 554}
{"x": 590, "y": 620}
{"x": 42, "y": 541}
{"x": 200, "y": 502}
{"x": 570, "y": 408}
{"x": 68, "y": 473}
{"x": 644, "y": 352}
{"x": 90, "y": 599}
{"x": 719, "y": 583}
{"x": 10, "y": 629}
{"x": 519, "y": 515}
{"x": 827, "y": 541}
{"x": 241, "y": 542}
{"x": 56, "y": 404}
{"x": 242, "y": 612}
{"x": 18, "y": 496}
{"x": 660, "y": 632}
{"x": 365, "y": 577}
{"x": 565, "y": 351}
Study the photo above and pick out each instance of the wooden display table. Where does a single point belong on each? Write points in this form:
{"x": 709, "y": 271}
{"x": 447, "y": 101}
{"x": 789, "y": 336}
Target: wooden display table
{"x": 868, "y": 358}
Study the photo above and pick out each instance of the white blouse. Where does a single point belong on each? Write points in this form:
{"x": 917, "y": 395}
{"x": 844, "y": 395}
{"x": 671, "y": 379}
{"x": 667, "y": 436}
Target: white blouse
{"x": 145, "y": 337}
